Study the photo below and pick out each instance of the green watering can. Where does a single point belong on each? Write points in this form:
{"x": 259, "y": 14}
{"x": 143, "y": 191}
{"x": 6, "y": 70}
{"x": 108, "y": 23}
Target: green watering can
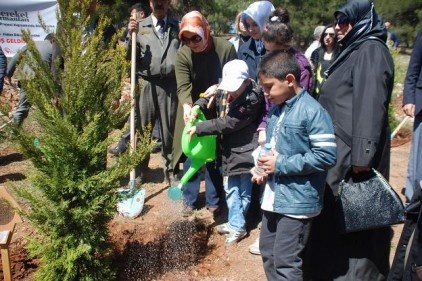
{"x": 199, "y": 149}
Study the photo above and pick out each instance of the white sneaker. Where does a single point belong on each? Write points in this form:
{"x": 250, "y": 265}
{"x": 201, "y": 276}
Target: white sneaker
{"x": 254, "y": 248}
{"x": 223, "y": 228}
{"x": 235, "y": 236}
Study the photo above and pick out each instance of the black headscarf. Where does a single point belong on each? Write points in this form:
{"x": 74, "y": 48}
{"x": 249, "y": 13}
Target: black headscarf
{"x": 365, "y": 26}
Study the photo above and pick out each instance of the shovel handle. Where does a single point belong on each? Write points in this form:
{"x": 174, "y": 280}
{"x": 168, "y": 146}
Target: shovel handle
{"x": 132, "y": 97}
{"x": 393, "y": 134}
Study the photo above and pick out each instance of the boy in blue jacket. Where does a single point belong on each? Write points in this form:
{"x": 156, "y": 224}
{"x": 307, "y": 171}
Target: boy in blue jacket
{"x": 302, "y": 136}
{"x": 240, "y": 108}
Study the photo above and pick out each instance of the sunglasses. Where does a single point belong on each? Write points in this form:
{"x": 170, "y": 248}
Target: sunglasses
{"x": 342, "y": 20}
{"x": 194, "y": 39}
{"x": 329, "y": 34}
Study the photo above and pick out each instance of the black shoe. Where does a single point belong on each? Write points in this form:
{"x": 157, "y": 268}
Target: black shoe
{"x": 118, "y": 149}
{"x": 156, "y": 148}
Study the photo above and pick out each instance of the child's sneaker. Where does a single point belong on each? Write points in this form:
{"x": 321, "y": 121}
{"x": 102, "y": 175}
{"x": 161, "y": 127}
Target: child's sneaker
{"x": 254, "y": 248}
{"x": 235, "y": 236}
{"x": 223, "y": 228}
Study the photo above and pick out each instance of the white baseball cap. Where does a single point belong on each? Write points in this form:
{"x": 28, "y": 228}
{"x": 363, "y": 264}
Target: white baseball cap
{"x": 235, "y": 72}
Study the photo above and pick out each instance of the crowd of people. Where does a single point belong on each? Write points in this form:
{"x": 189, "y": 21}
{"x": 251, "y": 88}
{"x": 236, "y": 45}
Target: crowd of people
{"x": 258, "y": 89}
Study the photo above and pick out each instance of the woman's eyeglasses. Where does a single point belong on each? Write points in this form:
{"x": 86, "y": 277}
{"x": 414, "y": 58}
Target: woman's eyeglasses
{"x": 194, "y": 39}
{"x": 342, "y": 20}
{"x": 330, "y": 34}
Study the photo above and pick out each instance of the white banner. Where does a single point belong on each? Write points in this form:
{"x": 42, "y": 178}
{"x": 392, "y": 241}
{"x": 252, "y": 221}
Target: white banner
{"x": 23, "y": 14}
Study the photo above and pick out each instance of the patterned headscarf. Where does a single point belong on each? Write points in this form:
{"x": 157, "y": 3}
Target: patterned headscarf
{"x": 195, "y": 22}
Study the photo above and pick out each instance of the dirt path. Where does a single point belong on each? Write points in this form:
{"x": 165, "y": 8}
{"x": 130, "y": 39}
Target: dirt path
{"x": 160, "y": 244}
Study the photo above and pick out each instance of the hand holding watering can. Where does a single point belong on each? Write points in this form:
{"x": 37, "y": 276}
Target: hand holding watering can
{"x": 200, "y": 149}
{"x": 191, "y": 131}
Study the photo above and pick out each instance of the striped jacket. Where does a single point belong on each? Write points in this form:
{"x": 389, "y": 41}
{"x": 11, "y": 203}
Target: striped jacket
{"x": 305, "y": 142}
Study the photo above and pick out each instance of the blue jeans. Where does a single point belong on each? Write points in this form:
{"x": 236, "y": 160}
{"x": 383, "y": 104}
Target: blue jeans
{"x": 238, "y": 196}
{"x": 22, "y": 108}
{"x": 414, "y": 169}
{"x": 281, "y": 243}
{"x": 213, "y": 185}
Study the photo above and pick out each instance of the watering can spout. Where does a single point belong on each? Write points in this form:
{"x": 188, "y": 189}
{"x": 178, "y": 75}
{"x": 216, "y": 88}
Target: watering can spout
{"x": 196, "y": 164}
{"x": 175, "y": 192}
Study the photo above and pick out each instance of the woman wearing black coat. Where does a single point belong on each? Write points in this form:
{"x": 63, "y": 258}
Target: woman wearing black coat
{"x": 356, "y": 93}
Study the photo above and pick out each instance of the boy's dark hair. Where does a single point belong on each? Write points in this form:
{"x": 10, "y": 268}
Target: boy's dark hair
{"x": 278, "y": 64}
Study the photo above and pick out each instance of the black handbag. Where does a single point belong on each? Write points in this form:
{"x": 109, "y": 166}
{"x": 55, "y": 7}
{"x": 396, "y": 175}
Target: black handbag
{"x": 367, "y": 201}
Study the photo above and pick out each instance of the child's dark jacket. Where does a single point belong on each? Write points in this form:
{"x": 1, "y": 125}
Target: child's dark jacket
{"x": 237, "y": 129}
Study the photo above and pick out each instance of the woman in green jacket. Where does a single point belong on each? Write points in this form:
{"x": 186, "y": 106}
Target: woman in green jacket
{"x": 199, "y": 65}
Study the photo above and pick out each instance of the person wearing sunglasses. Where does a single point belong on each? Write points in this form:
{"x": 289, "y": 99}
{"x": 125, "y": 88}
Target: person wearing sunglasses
{"x": 199, "y": 65}
{"x": 356, "y": 93}
{"x": 323, "y": 56}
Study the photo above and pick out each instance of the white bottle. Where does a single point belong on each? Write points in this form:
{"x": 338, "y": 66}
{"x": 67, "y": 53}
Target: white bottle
{"x": 264, "y": 151}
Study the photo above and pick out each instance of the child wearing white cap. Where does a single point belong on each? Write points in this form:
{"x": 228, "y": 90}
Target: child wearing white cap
{"x": 239, "y": 108}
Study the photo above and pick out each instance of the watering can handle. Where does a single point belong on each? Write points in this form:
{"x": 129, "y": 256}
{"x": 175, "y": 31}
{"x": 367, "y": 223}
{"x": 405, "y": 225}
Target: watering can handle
{"x": 196, "y": 110}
